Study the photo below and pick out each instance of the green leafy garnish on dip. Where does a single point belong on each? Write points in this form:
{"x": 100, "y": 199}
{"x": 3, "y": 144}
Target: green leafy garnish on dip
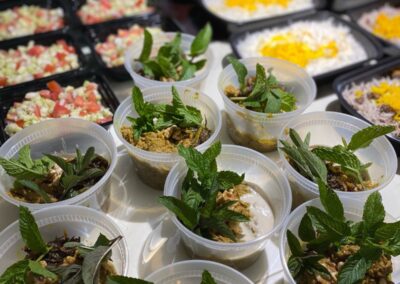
{"x": 53, "y": 178}
{"x": 171, "y": 63}
{"x": 62, "y": 260}
{"x": 339, "y": 165}
{"x": 333, "y": 249}
{"x": 260, "y": 93}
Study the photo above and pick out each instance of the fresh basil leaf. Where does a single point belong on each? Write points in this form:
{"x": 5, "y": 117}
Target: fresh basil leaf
{"x": 331, "y": 202}
{"x": 185, "y": 213}
{"x": 15, "y": 274}
{"x": 228, "y": 179}
{"x": 374, "y": 212}
{"x": 294, "y": 244}
{"x": 38, "y": 269}
{"x": 241, "y": 71}
{"x": 147, "y": 46}
{"x": 30, "y": 232}
{"x": 306, "y": 229}
{"x": 116, "y": 279}
{"x": 364, "y": 137}
{"x": 201, "y": 41}
{"x": 206, "y": 278}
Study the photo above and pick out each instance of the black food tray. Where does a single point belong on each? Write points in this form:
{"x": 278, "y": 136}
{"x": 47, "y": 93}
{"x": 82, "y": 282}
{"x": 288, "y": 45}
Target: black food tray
{"x": 45, "y": 39}
{"x": 99, "y": 33}
{"x": 343, "y": 5}
{"x": 4, "y": 5}
{"x": 372, "y": 47}
{"x": 108, "y": 97}
{"x": 362, "y": 75}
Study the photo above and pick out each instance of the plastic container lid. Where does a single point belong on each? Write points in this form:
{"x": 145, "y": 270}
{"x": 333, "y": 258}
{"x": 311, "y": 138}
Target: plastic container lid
{"x": 54, "y": 136}
{"x": 327, "y": 129}
{"x": 133, "y": 52}
{"x": 75, "y": 221}
{"x": 272, "y": 186}
{"x": 189, "y": 272}
{"x": 353, "y": 211}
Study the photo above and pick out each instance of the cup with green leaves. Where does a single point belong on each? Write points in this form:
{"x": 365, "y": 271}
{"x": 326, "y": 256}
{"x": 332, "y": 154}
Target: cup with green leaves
{"x": 63, "y": 244}
{"x": 226, "y": 202}
{"x": 260, "y": 96}
{"x": 343, "y": 241}
{"x": 170, "y": 58}
{"x": 351, "y": 156}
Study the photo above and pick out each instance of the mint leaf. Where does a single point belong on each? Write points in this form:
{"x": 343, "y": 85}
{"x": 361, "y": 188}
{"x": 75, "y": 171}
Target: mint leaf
{"x": 70, "y": 274}
{"x": 34, "y": 187}
{"x": 101, "y": 241}
{"x": 167, "y": 68}
{"x": 294, "y": 244}
{"x": 206, "y": 278}
{"x": 18, "y": 170}
{"x": 306, "y": 229}
{"x": 147, "y": 46}
{"x": 30, "y": 232}
{"x": 188, "y": 71}
{"x": 364, "y": 137}
{"x": 273, "y": 104}
{"x": 353, "y": 270}
{"x": 15, "y": 274}
{"x": 241, "y": 71}
{"x": 374, "y": 212}
{"x": 331, "y": 202}
{"x": 336, "y": 229}
{"x": 259, "y": 86}
{"x": 116, "y": 279}
{"x": 186, "y": 214}
{"x": 228, "y": 179}
{"x": 295, "y": 266}
{"x": 190, "y": 115}
{"x": 24, "y": 156}
{"x": 387, "y": 231}
{"x": 91, "y": 263}
{"x": 201, "y": 41}
{"x": 38, "y": 269}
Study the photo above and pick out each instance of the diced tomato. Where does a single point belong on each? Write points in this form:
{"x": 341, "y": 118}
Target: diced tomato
{"x": 38, "y": 75}
{"x": 69, "y": 98}
{"x": 106, "y": 4}
{"x": 49, "y": 68}
{"x": 61, "y": 56}
{"x": 123, "y": 33}
{"x": 59, "y": 110}
{"x": 104, "y": 120}
{"x": 37, "y": 111}
{"x": 20, "y": 123}
{"x": 12, "y": 116}
{"x": 68, "y": 48}
{"x": 92, "y": 107}
{"x": 36, "y": 50}
{"x": 83, "y": 113}
{"x": 91, "y": 86}
{"x": 92, "y": 97}
{"x": 3, "y": 81}
{"x": 54, "y": 87}
{"x": 79, "y": 101}
{"x": 45, "y": 94}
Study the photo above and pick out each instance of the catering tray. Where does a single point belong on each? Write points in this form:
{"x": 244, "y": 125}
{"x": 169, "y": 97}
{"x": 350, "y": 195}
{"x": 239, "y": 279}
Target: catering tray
{"x": 372, "y": 47}
{"x": 99, "y": 33}
{"x": 343, "y": 5}
{"x": 4, "y": 5}
{"x": 73, "y": 79}
{"x": 363, "y": 75}
{"x": 47, "y": 39}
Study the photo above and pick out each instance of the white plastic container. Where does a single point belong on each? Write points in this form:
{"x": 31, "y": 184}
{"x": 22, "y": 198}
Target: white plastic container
{"x": 272, "y": 186}
{"x": 132, "y": 66}
{"x": 76, "y": 221}
{"x": 327, "y": 129}
{"x": 353, "y": 211}
{"x": 189, "y": 272}
{"x": 62, "y": 135}
{"x": 152, "y": 167}
{"x": 257, "y": 130}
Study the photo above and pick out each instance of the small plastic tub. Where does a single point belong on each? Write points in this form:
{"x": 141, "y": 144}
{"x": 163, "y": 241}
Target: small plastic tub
{"x": 189, "y": 272}
{"x": 257, "y": 130}
{"x": 327, "y": 129}
{"x": 76, "y": 221}
{"x": 62, "y": 135}
{"x": 132, "y": 66}
{"x": 271, "y": 184}
{"x": 353, "y": 210}
{"x": 153, "y": 168}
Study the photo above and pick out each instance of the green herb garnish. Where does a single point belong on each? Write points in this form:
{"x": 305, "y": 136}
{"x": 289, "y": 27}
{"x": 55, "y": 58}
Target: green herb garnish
{"x": 197, "y": 209}
{"x": 311, "y": 163}
{"x": 155, "y": 117}
{"x": 171, "y": 63}
{"x": 324, "y": 233}
{"x": 262, "y": 94}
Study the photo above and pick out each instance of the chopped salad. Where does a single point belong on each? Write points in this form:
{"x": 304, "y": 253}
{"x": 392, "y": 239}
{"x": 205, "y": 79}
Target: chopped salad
{"x": 28, "y": 20}
{"x": 95, "y": 11}
{"x": 56, "y": 101}
{"x": 34, "y": 61}
{"x": 112, "y": 50}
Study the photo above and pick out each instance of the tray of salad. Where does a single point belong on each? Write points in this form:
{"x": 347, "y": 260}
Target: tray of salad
{"x": 86, "y": 95}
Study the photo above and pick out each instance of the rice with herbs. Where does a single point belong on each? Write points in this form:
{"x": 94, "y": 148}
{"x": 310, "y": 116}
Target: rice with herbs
{"x": 317, "y": 46}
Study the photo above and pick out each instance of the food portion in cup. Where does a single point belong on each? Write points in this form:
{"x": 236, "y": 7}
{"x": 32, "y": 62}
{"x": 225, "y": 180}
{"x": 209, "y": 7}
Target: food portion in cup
{"x": 169, "y": 62}
{"x": 53, "y": 177}
{"x": 60, "y": 260}
{"x": 57, "y": 101}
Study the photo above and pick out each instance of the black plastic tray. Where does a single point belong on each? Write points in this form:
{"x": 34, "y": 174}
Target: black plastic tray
{"x": 108, "y": 97}
{"x": 372, "y": 47}
{"x": 343, "y": 5}
{"x": 362, "y": 75}
{"x": 99, "y": 33}
{"x": 4, "y": 5}
{"x": 46, "y": 39}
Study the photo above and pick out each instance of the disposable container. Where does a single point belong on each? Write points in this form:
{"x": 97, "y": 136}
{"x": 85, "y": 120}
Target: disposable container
{"x": 189, "y": 272}
{"x": 62, "y": 135}
{"x": 75, "y": 221}
{"x": 132, "y": 66}
{"x": 327, "y": 129}
{"x": 257, "y": 130}
{"x": 152, "y": 167}
{"x": 270, "y": 183}
{"x": 353, "y": 210}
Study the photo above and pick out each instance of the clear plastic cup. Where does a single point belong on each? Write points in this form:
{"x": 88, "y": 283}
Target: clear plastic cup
{"x": 153, "y": 168}
{"x": 133, "y": 52}
{"x": 272, "y": 185}
{"x": 62, "y": 135}
{"x": 353, "y": 211}
{"x": 75, "y": 221}
{"x": 257, "y": 130}
{"x": 328, "y": 128}
{"x": 189, "y": 272}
